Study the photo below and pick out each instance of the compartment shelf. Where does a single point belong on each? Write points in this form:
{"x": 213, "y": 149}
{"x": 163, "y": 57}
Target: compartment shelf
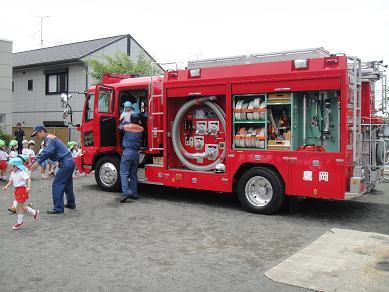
{"x": 249, "y": 122}
{"x": 279, "y": 103}
{"x": 242, "y": 101}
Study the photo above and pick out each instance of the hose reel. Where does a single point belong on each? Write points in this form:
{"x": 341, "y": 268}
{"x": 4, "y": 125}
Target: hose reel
{"x": 182, "y": 154}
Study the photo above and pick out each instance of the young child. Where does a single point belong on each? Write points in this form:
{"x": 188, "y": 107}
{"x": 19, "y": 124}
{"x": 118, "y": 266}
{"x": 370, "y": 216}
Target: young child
{"x": 52, "y": 167}
{"x": 76, "y": 154}
{"x": 125, "y": 117}
{"x": 31, "y": 147}
{"x": 3, "y": 161}
{"x": 20, "y": 178}
{"x": 13, "y": 147}
{"x": 25, "y": 149}
{"x": 45, "y": 163}
{"x": 24, "y": 159}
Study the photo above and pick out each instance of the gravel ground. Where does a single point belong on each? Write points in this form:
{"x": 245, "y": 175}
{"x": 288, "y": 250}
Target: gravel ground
{"x": 168, "y": 240}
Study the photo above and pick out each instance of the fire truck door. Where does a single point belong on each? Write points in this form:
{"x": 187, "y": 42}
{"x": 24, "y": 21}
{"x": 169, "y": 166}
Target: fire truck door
{"x": 104, "y": 103}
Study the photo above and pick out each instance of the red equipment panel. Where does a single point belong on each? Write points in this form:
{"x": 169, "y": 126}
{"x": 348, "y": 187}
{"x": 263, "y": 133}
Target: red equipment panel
{"x": 201, "y": 130}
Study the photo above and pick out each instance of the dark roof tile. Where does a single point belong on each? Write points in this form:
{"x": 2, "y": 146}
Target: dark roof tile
{"x": 73, "y": 51}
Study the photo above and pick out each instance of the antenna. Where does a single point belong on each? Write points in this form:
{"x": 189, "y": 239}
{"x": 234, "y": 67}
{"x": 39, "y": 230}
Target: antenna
{"x": 41, "y": 17}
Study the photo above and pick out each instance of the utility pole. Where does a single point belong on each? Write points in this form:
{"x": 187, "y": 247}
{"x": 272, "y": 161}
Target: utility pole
{"x": 41, "y": 17}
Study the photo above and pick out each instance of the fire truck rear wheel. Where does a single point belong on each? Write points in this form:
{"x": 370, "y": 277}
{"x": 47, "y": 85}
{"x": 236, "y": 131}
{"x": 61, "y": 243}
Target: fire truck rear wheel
{"x": 260, "y": 190}
{"x": 107, "y": 173}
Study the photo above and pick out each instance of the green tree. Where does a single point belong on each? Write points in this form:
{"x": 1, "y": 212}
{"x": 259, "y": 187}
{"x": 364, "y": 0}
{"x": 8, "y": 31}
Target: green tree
{"x": 5, "y": 137}
{"x": 120, "y": 63}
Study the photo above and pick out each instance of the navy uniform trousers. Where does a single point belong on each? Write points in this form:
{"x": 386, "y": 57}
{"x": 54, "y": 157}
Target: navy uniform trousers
{"x": 63, "y": 183}
{"x": 128, "y": 169}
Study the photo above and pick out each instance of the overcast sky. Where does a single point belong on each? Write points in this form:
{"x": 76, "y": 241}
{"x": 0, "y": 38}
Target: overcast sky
{"x": 181, "y": 30}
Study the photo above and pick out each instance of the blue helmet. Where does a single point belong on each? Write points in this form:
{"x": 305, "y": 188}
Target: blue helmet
{"x": 127, "y": 104}
{"x": 17, "y": 162}
{"x": 23, "y": 157}
{"x": 135, "y": 106}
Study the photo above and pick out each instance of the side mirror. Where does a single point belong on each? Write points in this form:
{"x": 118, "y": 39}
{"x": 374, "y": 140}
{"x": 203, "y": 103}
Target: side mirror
{"x": 65, "y": 99}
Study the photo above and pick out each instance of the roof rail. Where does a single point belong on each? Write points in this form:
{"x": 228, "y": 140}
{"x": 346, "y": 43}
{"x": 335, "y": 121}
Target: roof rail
{"x": 260, "y": 58}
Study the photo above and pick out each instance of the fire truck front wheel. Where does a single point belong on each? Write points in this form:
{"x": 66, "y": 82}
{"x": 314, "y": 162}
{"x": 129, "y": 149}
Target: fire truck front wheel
{"x": 107, "y": 173}
{"x": 260, "y": 190}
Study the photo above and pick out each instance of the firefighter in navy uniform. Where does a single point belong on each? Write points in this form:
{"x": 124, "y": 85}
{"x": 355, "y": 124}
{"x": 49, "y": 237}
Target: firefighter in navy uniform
{"x": 130, "y": 158}
{"x": 56, "y": 150}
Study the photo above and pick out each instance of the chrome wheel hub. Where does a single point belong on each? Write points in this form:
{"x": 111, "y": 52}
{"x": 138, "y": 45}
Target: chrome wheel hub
{"x": 108, "y": 174}
{"x": 259, "y": 191}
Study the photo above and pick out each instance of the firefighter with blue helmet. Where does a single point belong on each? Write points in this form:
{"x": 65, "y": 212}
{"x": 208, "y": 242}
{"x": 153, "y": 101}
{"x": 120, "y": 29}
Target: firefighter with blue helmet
{"x": 130, "y": 158}
{"x": 56, "y": 150}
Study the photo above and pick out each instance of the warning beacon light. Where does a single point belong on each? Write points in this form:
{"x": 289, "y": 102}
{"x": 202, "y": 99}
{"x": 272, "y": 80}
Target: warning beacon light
{"x": 301, "y": 64}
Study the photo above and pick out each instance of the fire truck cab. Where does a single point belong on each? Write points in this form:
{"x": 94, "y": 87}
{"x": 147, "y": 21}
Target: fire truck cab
{"x": 297, "y": 123}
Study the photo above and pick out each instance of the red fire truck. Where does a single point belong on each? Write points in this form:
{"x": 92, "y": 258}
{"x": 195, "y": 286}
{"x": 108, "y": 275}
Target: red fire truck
{"x": 297, "y": 123}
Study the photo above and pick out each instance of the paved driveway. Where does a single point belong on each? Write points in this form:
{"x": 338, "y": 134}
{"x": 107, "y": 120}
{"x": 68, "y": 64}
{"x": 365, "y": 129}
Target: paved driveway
{"x": 169, "y": 240}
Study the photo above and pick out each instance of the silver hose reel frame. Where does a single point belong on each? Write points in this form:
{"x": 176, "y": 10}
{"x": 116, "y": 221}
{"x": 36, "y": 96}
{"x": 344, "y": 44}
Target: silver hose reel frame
{"x": 181, "y": 153}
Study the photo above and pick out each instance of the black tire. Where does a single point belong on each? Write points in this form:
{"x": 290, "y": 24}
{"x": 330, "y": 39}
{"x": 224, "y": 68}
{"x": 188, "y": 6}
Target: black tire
{"x": 115, "y": 163}
{"x": 267, "y": 177}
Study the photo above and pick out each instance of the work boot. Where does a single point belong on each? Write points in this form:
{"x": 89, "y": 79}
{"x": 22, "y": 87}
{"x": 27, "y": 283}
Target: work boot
{"x": 125, "y": 198}
{"x": 53, "y": 212}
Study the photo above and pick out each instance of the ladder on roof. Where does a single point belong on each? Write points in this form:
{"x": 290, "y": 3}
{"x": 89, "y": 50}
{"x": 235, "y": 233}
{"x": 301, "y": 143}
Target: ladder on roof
{"x": 157, "y": 130}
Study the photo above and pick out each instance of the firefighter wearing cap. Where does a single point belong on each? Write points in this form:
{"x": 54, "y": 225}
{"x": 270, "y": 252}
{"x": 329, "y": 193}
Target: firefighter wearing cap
{"x": 56, "y": 150}
{"x": 130, "y": 158}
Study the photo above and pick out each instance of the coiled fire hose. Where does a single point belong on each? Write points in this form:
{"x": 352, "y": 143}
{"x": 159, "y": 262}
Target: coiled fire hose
{"x": 181, "y": 153}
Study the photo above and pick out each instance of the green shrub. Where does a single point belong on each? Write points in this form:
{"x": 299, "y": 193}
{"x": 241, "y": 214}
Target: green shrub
{"x": 5, "y": 137}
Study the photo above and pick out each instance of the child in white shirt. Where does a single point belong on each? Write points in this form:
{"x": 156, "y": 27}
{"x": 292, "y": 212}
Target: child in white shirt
{"x": 24, "y": 159}
{"x": 20, "y": 178}
{"x": 3, "y": 161}
{"x": 25, "y": 149}
{"x": 31, "y": 147}
{"x": 45, "y": 163}
{"x": 28, "y": 149}
{"x": 13, "y": 147}
{"x": 125, "y": 117}
{"x": 76, "y": 154}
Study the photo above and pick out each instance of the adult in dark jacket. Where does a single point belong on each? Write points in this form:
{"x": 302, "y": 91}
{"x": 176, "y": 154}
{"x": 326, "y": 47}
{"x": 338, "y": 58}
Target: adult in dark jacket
{"x": 130, "y": 158}
{"x": 19, "y": 136}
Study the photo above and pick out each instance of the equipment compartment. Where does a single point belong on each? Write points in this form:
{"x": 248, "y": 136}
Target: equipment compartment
{"x": 317, "y": 120}
{"x": 287, "y": 121}
{"x": 262, "y": 121}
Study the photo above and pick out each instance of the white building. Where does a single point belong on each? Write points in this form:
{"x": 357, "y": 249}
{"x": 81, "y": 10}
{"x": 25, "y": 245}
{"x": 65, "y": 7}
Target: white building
{"x": 5, "y": 86}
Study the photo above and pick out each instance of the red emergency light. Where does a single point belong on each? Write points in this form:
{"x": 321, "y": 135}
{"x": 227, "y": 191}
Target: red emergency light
{"x": 109, "y": 78}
